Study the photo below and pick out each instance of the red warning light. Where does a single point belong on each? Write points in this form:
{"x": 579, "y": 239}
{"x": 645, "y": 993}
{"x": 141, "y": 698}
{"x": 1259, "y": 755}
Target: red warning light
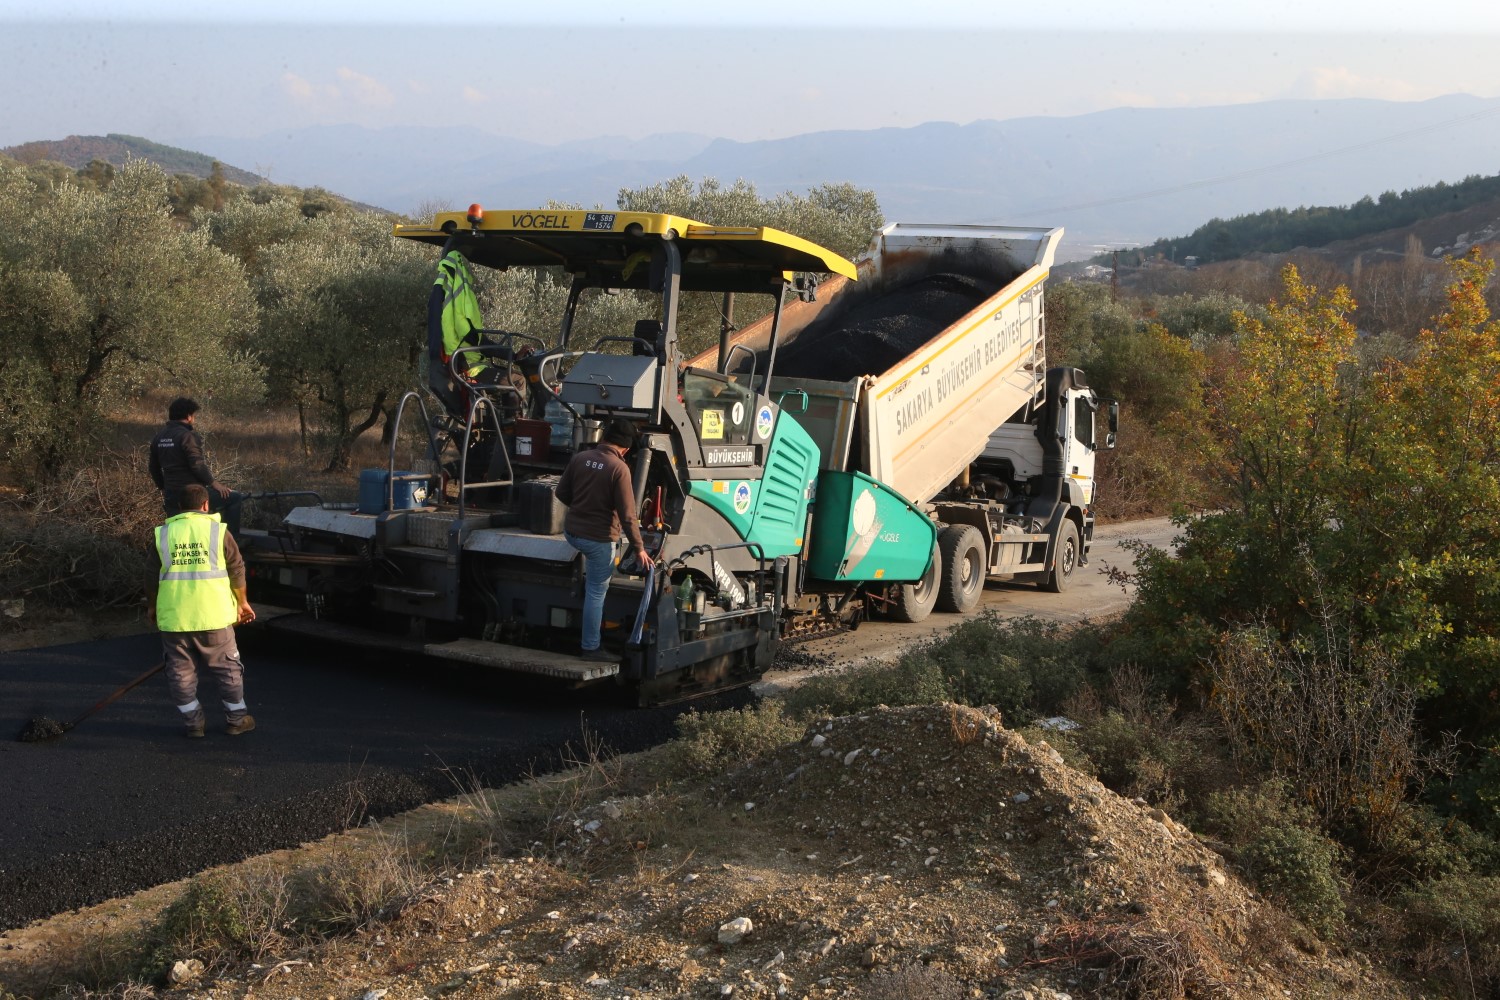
{"x": 476, "y": 214}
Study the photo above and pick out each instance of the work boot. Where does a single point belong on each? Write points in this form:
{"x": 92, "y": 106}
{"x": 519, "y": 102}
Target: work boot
{"x": 194, "y": 732}
{"x": 240, "y": 726}
{"x": 600, "y": 655}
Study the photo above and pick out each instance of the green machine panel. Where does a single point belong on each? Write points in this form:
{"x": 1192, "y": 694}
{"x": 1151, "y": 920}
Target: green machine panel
{"x": 864, "y": 530}
{"x": 772, "y": 510}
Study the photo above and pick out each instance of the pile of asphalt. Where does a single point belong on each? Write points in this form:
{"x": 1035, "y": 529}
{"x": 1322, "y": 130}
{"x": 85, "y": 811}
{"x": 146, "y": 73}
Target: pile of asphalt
{"x": 879, "y": 330}
{"x": 791, "y": 657}
{"x": 39, "y": 728}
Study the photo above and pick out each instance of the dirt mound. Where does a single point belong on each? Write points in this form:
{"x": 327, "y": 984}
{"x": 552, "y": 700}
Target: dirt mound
{"x": 879, "y": 331}
{"x": 913, "y": 852}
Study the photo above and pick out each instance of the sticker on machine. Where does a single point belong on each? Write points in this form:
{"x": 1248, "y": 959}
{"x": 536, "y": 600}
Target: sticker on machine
{"x": 763, "y": 422}
{"x": 864, "y": 528}
{"x": 737, "y": 414}
{"x": 741, "y": 497}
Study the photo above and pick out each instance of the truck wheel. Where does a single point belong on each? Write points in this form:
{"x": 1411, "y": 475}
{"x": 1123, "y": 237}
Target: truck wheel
{"x": 1064, "y": 559}
{"x": 914, "y": 601}
{"x": 964, "y": 566}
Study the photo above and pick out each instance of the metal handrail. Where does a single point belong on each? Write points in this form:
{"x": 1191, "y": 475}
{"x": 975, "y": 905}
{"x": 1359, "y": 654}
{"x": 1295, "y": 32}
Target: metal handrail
{"x": 490, "y": 351}
{"x": 730, "y": 357}
{"x": 432, "y": 448}
{"x": 481, "y": 401}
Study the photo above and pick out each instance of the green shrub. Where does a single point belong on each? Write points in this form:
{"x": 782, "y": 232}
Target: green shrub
{"x": 1417, "y": 845}
{"x": 1121, "y": 753}
{"x": 357, "y": 887}
{"x": 707, "y": 742}
{"x": 207, "y": 922}
{"x": 1298, "y": 867}
{"x": 912, "y": 680}
{"x": 83, "y": 539}
{"x": 1453, "y": 923}
{"x": 1023, "y": 667}
{"x": 1273, "y": 837}
{"x": 1137, "y": 743}
{"x": 249, "y": 912}
{"x": 1475, "y": 788}
{"x": 1238, "y": 815}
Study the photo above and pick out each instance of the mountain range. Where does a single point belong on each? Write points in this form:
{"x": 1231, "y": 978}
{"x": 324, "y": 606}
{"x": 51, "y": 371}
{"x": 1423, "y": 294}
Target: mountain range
{"x": 1124, "y": 176}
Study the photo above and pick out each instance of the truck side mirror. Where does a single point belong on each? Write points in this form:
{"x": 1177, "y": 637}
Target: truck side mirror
{"x": 1114, "y": 424}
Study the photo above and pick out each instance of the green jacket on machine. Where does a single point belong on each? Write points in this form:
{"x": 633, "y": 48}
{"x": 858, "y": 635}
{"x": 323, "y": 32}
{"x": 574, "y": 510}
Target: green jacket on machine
{"x": 193, "y": 593}
{"x": 460, "y": 315}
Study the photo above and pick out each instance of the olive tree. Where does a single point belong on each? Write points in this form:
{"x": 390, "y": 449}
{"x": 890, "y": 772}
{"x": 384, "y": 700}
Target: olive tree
{"x": 246, "y": 227}
{"x": 344, "y": 321}
{"x": 102, "y": 296}
{"x": 841, "y": 217}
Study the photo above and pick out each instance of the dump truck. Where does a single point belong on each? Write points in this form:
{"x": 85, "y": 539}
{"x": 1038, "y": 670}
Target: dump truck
{"x": 783, "y": 496}
{"x": 923, "y": 382}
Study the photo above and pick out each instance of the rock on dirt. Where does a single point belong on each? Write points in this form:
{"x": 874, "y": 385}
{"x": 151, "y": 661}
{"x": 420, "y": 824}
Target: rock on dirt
{"x": 185, "y": 972}
{"x": 735, "y": 930}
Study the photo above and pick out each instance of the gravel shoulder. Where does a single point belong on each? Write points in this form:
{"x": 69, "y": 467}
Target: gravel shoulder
{"x": 1092, "y": 596}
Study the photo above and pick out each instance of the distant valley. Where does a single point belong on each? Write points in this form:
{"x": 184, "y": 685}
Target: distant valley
{"x": 1112, "y": 178}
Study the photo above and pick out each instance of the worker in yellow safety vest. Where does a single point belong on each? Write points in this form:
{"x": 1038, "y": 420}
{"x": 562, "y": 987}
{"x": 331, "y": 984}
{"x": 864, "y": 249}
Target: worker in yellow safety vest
{"x": 196, "y": 597}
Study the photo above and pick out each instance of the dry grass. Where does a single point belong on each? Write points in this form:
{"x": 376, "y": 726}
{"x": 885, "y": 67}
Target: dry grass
{"x": 968, "y": 725}
{"x": 82, "y": 541}
{"x": 256, "y": 449}
{"x": 911, "y": 981}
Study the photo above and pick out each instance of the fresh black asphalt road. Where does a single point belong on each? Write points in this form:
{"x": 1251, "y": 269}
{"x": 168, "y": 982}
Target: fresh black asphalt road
{"x": 123, "y": 801}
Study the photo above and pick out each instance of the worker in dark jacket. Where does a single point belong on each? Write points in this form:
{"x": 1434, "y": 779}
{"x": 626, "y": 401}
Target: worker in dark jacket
{"x": 177, "y": 461}
{"x": 195, "y": 598}
{"x": 601, "y": 502}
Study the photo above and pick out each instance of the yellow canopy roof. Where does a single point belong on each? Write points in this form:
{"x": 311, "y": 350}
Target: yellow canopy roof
{"x": 615, "y": 246}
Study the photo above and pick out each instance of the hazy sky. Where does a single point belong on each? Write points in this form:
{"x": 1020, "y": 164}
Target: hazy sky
{"x": 555, "y": 70}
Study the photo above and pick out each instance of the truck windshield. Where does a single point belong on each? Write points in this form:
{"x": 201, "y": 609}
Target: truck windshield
{"x": 720, "y": 408}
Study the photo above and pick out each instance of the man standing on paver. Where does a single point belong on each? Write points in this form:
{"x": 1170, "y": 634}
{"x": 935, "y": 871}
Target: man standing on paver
{"x": 195, "y": 599}
{"x": 177, "y": 461}
{"x": 601, "y": 502}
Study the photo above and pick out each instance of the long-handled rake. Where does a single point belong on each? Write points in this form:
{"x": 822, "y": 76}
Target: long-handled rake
{"x": 42, "y": 728}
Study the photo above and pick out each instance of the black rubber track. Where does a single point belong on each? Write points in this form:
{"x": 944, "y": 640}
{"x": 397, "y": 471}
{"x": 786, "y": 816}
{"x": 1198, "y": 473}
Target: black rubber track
{"x": 124, "y": 802}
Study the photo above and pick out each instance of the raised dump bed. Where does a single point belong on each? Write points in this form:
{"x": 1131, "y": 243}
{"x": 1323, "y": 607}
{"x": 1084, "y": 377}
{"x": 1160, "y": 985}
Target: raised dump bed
{"x": 909, "y": 370}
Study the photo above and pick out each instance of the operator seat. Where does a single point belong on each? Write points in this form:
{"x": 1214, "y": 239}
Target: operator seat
{"x": 648, "y": 330}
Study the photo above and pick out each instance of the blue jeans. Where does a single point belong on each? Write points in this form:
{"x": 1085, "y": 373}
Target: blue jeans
{"x": 598, "y": 567}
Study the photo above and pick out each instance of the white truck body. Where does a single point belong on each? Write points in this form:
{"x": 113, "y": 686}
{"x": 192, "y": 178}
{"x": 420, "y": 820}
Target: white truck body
{"x": 968, "y": 425}
{"x": 922, "y": 421}
{"x": 933, "y": 414}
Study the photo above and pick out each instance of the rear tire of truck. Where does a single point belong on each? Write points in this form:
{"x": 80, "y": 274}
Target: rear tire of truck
{"x": 1064, "y": 559}
{"x": 914, "y": 601}
{"x": 964, "y": 564}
